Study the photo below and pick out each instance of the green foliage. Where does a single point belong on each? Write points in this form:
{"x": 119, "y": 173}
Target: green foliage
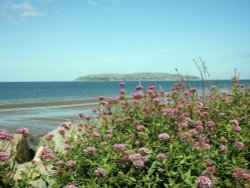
{"x": 204, "y": 136}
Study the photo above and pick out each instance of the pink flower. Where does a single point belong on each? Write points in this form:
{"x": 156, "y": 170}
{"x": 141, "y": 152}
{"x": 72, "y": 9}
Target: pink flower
{"x": 122, "y": 92}
{"x": 161, "y": 156}
{"x": 65, "y": 126}
{"x": 209, "y": 171}
{"x": 192, "y": 132}
{"x": 61, "y": 132}
{"x": 137, "y": 142}
{"x": 206, "y": 146}
{"x": 239, "y": 144}
{"x": 246, "y": 186}
{"x": 233, "y": 122}
{"x": 46, "y": 153}
{"x": 208, "y": 162}
{"x": 238, "y": 173}
{"x": 4, "y": 156}
{"x": 223, "y": 148}
{"x": 237, "y": 128}
{"x": 246, "y": 176}
{"x": 139, "y": 87}
{"x": 152, "y": 87}
{"x": 210, "y": 123}
{"x": 117, "y": 147}
{"x": 95, "y": 135}
{"x": 193, "y": 90}
{"x": 163, "y": 136}
{"x": 122, "y": 84}
{"x": 128, "y": 152}
{"x": 134, "y": 157}
{"x": 59, "y": 163}
{"x": 161, "y": 170}
{"x": 90, "y": 150}
{"x": 140, "y": 127}
{"x": 139, "y": 163}
{"x": 144, "y": 150}
{"x": 184, "y": 134}
{"x": 204, "y": 181}
{"x": 108, "y": 136}
{"x": 213, "y": 88}
{"x": 118, "y": 120}
{"x": 100, "y": 172}
{"x": 101, "y": 98}
{"x": 81, "y": 115}
{"x": 70, "y": 163}
{"x": 104, "y": 143}
{"x": 156, "y": 101}
{"x": 24, "y": 131}
{"x": 5, "y": 136}
{"x": 205, "y": 114}
{"x": 49, "y": 136}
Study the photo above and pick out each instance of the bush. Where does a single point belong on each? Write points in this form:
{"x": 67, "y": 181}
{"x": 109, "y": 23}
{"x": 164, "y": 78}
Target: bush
{"x": 153, "y": 139}
{"x": 157, "y": 139}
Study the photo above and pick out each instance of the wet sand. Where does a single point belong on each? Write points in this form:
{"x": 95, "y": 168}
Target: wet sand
{"x": 47, "y": 104}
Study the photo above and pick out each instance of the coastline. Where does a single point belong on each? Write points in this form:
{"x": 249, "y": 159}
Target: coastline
{"x": 48, "y": 104}
{"x": 43, "y": 117}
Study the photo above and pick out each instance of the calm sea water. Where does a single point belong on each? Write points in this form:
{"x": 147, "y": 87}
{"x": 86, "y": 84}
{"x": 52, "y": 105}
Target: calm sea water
{"x": 44, "y": 119}
{"x": 26, "y": 92}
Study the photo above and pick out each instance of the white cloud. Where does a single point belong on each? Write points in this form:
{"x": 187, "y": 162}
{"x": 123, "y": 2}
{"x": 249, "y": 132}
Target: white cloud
{"x": 19, "y": 11}
{"x": 23, "y": 6}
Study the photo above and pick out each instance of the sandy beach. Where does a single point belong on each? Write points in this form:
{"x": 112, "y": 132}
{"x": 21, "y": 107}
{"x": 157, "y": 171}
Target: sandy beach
{"x": 47, "y": 104}
{"x": 42, "y": 117}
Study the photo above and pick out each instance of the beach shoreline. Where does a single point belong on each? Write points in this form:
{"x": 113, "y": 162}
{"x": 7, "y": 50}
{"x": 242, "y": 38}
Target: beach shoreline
{"x": 48, "y": 104}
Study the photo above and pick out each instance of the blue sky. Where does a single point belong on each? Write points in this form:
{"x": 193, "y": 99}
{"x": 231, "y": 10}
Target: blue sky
{"x": 60, "y": 40}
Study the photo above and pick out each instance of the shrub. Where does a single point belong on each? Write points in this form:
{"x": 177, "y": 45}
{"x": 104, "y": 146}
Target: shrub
{"x": 158, "y": 139}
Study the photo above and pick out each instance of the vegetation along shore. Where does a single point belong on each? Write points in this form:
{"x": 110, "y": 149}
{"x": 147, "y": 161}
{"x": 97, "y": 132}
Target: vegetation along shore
{"x": 150, "y": 139}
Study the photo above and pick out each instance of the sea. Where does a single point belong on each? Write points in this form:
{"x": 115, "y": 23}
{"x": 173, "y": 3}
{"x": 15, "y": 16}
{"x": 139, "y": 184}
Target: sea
{"x": 41, "y": 120}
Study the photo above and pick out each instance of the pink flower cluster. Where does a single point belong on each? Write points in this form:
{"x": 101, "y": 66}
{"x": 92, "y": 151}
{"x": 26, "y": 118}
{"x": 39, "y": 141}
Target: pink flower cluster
{"x": 140, "y": 127}
{"x": 24, "y": 131}
{"x": 134, "y": 157}
{"x": 100, "y": 172}
{"x": 161, "y": 156}
{"x": 49, "y": 136}
{"x": 235, "y": 124}
{"x": 5, "y": 136}
{"x": 223, "y": 148}
{"x": 210, "y": 123}
{"x": 240, "y": 173}
{"x": 4, "y": 156}
{"x": 139, "y": 87}
{"x": 144, "y": 151}
{"x": 46, "y": 153}
{"x": 204, "y": 181}
{"x": 118, "y": 147}
{"x": 137, "y": 160}
{"x": 70, "y": 163}
{"x": 90, "y": 150}
{"x": 122, "y": 92}
{"x": 239, "y": 144}
{"x": 163, "y": 136}
{"x": 122, "y": 84}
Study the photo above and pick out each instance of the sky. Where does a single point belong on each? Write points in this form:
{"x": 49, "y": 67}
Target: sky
{"x": 60, "y": 40}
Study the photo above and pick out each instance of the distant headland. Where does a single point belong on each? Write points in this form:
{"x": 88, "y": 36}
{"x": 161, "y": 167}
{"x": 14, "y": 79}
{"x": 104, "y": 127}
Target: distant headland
{"x": 136, "y": 77}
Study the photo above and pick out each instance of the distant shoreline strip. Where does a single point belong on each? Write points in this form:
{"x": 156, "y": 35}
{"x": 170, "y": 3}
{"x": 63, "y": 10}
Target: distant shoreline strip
{"x": 45, "y": 104}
